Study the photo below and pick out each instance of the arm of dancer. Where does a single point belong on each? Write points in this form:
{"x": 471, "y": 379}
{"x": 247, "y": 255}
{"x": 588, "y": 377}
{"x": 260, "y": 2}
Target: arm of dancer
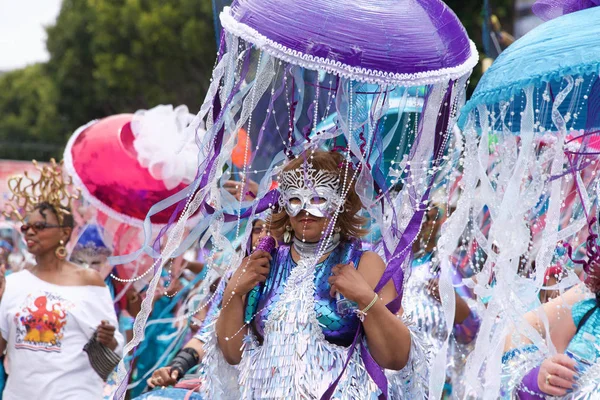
{"x": 560, "y": 323}
{"x": 229, "y": 322}
{"x": 561, "y": 329}
{"x": 384, "y": 330}
{"x": 186, "y": 359}
{"x": 195, "y": 266}
{"x": 463, "y": 311}
{"x": 2, "y": 280}
{"x": 3, "y": 326}
{"x": 231, "y": 327}
{"x": 102, "y": 307}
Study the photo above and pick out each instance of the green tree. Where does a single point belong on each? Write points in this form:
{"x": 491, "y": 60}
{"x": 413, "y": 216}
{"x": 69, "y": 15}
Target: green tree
{"x": 106, "y": 57}
{"x": 30, "y": 126}
{"x": 71, "y": 64}
{"x": 114, "y": 56}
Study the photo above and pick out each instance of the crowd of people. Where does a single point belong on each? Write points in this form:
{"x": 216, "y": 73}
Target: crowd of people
{"x": 321, "y": 278}
{"x": 62, "y": 327}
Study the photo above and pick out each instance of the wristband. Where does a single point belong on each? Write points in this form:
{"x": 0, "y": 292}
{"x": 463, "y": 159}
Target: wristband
{"x": 185, "y": 360}
{"x": 363, "y": 313}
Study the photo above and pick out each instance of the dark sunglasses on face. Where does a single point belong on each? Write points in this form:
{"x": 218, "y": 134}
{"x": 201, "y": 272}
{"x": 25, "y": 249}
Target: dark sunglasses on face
{"x": 37, "y": 226}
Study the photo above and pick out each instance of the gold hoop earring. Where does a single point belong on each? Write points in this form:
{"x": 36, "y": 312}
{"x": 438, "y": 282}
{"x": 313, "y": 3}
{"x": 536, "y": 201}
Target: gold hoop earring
{"x": 61, "y": 251}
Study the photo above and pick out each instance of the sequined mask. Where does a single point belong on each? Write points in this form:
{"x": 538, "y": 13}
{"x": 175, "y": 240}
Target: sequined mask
{"x": 314, "y": 191}
{"x": 89, "y": 257}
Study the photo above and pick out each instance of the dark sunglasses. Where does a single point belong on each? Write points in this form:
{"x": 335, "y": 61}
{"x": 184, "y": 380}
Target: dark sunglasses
{"x": 37, "y": 226}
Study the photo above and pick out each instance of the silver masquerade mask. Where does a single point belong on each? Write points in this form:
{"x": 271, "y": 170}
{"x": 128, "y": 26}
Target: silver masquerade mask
{"x": 90, "y": 256}
{"x": 314, "y": 191}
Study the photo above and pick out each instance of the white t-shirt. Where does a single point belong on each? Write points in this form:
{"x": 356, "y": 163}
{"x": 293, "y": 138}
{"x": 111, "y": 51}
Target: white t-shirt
{"x": 45, "y": 327}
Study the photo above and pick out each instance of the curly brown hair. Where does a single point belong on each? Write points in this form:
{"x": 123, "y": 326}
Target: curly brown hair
{"x": 350, "y": 223}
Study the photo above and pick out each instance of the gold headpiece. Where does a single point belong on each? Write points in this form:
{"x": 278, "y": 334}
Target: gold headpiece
{"x": 51, "y": 187}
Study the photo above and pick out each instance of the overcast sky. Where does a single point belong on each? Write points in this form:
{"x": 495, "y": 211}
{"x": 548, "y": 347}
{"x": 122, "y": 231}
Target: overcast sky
{"x": 22, "y": 35}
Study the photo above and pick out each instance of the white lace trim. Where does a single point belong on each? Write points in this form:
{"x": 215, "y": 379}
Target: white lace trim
{"x": 344, "y": 70}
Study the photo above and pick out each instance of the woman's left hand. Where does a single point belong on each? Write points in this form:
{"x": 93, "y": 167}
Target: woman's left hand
{"x": 106, "y": 335}
{"x": 346, "y": 280}
{"x": 557, "y": 374}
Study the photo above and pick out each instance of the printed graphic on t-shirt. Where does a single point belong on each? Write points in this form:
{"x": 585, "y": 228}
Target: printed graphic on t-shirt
{"x": 41, "y": 322}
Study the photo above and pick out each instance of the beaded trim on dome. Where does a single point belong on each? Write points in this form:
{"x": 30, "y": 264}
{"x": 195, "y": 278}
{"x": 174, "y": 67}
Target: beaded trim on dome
{"x": 344, "y": 70}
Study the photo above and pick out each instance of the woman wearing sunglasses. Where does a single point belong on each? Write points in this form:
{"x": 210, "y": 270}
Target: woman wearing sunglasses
{"x": 57, "y": 320}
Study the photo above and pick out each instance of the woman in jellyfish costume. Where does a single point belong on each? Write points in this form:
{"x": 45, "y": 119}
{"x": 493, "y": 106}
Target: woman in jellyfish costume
{"x": 529, "y": 193}
{"x": 372, "y": 85}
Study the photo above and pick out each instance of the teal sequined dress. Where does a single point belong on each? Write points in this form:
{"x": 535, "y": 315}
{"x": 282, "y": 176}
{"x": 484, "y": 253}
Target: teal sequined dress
{"x": 591, "y": 326}
{"x": 337, "y": 329}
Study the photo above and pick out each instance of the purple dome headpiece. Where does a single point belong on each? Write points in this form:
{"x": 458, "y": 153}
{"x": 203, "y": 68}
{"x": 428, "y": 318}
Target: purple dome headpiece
{"x": 395, "y": 42}
{"x": 550, "y": 9}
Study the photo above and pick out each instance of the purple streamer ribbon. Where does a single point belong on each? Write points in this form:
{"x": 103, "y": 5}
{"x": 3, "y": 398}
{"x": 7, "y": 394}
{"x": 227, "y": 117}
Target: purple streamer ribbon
{"x": 264, "y": 203}
{"x": 394, "y": 269}
{"x": 550, "y": 9}
{"x": 592, "y": 248}
{"x": 329, "y": 392}
{"x": 220, "y": 111}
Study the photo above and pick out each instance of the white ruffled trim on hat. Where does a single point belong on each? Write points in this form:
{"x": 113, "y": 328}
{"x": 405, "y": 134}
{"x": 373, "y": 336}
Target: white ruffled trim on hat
{"x": 344, "y": 70}
{"x": 165, "y": 144}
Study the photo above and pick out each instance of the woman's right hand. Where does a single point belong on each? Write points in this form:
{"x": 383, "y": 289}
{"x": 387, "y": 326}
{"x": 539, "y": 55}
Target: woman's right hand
{"x": 254, "y": 270}
{"x": 557, "y": 374}
{"x": 163, "y": 377}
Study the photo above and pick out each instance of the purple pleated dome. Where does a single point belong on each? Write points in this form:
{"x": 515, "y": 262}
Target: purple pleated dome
{"x": 381, "y": 41}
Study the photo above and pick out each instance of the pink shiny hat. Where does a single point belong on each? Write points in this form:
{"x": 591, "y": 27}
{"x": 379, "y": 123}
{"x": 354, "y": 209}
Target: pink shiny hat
{"x": 109, "y": 161}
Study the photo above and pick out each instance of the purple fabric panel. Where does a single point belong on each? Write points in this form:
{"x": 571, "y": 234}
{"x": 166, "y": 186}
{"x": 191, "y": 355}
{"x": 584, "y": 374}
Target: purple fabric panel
{"x": 375, "y": 371}
{"x": 466, "y": 331}
{"x": 531, "y": 383}
{"x": 550, "y": 9}
{"x": 387, "y": 35}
